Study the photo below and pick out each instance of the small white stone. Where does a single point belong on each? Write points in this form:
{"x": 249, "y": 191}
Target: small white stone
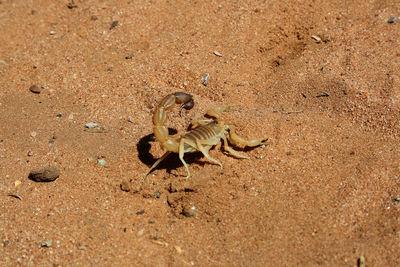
{"x": 91, "y": 125}
{"x": 316, "y": 38}
{"x": 178, "y": 249}
{"x": 102, "y": 162}
{"x": 140, "y": 233}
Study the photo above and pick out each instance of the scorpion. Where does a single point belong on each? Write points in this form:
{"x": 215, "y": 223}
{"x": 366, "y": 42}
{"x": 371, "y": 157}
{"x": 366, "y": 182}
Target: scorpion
{"x": 205, "y": 134}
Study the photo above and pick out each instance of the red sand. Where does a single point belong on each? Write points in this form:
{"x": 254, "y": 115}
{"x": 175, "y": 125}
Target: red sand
{"x": 320, "y": 78}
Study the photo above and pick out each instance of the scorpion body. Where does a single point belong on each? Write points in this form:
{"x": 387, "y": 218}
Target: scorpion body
{"x": 202, "y": 138}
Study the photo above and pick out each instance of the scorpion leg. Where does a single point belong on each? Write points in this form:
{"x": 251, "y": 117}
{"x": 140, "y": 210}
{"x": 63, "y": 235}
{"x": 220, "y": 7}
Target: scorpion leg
{"x": 202, "y": 149}
{"x": 196, "y": 121}
{"x": 231, "y": 151}
{"x": 216, "y": 112}
{"x": 156, "y": 163}
{"x": 181, "y": 153}
{"x": 237, "y": 140}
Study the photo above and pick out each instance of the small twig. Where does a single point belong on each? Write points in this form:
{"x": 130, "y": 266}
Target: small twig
{"x": 15, "y": 196}
{"x": 323, "y": 95}
{"x": 95, "y": 130}
{"x": 293, "y": 112}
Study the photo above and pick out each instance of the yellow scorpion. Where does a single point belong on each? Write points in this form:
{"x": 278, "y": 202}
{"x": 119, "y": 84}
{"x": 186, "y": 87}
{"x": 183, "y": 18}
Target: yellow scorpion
{"x": 202, "y": 138}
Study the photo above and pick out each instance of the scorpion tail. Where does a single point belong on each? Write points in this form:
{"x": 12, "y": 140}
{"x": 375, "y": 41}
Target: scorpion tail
{"x": 160, "y": 117}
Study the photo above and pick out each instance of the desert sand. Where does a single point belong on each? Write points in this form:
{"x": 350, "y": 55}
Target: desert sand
{"x": 320, "y": 79}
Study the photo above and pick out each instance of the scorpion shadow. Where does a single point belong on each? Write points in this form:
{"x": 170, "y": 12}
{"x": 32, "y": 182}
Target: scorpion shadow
{"x": 171, "y": 162}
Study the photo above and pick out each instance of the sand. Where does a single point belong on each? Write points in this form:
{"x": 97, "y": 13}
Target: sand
{"x": 321, "y": 79}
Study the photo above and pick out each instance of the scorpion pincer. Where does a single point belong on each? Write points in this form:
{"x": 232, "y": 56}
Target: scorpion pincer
{"x": 202, "y": 138}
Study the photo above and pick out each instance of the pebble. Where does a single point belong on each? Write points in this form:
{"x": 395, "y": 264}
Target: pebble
{"x": 392, "y": 20}
{"x": 189, "y": 211}
{"x": 102, "y": 162}
{"x": 316, "y": 38}
{"x": 178, "y": 249}
{"x": 91, "y": 125}
{"x": 46, "y": 244}
{"x": 52, "y": 32}
{"x": 82, "y": 247}
{"x": 114, "y": 24}
{"x": 125, "y": 186}
{"x": 218, "y": 54}
{"x": 33, "y": 134}
{"x": 46, "y": 174}
{"x": 51, "y": 141}
{"x": 204, "y": 79}
{"x": 140, "y": 212}
{"x": 140, "y": 233}
{"x": 35, "y": 89}
{"x": 30, "y": 153}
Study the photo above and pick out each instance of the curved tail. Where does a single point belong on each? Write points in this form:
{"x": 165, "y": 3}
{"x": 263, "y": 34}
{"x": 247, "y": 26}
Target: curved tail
{"x": 160, "y": 118}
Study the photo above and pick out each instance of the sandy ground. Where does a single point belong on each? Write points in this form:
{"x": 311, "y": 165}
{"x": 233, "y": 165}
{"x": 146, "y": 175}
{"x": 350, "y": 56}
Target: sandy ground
{"x": 321, "y": 79}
